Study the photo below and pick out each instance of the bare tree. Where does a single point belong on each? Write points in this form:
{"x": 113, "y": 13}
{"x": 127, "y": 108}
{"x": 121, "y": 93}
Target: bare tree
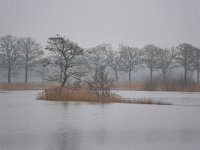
{"x": 185, "y": 58}
{"x": 96, "y": 57}
{"x": 9, "y": 54}
{"x": 164, "y": 60}
{"x": 114, "y": 61}
{"x": 64, "y": 55}
{"x": 130, "y": 58}
{"x": 150, "y": 58}
{"x": 101, "y": 83}
{"x": 31, "y": 54}
{"x": 197, "y": 62}
{"x": 97, "y": 64}
{"x": 42, "y": 68}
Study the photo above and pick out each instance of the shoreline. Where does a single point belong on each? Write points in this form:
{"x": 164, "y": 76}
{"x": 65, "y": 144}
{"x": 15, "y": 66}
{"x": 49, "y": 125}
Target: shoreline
{"x": 116, "y": 86}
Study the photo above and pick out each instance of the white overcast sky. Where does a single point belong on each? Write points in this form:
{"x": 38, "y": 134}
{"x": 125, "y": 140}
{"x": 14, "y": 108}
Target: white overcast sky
{"x": 165, "y": 23}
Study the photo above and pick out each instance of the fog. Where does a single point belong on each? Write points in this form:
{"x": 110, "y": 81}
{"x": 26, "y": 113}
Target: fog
{"x": 92, "y": 22}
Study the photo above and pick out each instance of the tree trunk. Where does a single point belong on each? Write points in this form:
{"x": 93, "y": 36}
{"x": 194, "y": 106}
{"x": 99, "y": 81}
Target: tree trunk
{"x": 151, "y": 71}
{"x": 164, "y": 76}
{"x": 26, "y": 73}
{"x": 43, "y": 73}
{"x": 116, "y": 76}
{"x": 63, "y": 84}
{"x": 129, "y": 77}
{"x": 9, "y": 72}
{"x": 9, "y": 75}
{"x": 198, "y": 76}
{"x": 185, "y": 76}
{"x": 64, "y": 80}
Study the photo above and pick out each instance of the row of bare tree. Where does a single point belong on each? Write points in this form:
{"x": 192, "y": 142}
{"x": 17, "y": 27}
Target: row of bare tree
{"x": 129, "y": 59}
{"x": 68, "y": 60}
{"x": 19, "y": 53}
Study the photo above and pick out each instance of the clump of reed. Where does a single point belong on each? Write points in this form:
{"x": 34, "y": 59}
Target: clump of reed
{"x": 171, "y": 85}
{"x": 67, "y": 94}
{"x": 26, "y": 86}
{"x": 128, "y": 86}
{"x": 159, "y": 85}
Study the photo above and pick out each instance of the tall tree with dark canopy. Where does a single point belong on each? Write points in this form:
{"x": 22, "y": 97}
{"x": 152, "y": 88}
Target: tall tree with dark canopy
{"x": 185, "y": 58}
{"x": 150, "y": 58}
{"x": 130, "y": 58}
{"x": 31, "y": 54}
{"x": 9, "y": 54}
{"x": 64, "y": 55}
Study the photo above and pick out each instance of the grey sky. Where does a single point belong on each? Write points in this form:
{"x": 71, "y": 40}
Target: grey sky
{"x": 164, "y": 23}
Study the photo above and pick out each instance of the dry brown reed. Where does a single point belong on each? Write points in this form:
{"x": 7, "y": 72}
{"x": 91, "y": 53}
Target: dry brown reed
{"x": 65, "y": 94}
{"x": 128, "y": 86}
{"x": 149, "y": 102}
{"x": 26, "y": 86}
{"x": 158, "y": 86}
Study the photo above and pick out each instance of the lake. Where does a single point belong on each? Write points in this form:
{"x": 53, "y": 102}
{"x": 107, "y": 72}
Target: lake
{"x": 29, "y": 124}
{"x": 176, "y": 98}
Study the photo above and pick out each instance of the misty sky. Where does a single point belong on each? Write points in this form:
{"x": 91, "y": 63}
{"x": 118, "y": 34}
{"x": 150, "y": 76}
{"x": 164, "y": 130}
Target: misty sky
{"x": 164, "y": 23}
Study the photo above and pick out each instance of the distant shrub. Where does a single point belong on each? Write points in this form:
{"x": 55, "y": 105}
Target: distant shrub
{"x": 100, "y": 84}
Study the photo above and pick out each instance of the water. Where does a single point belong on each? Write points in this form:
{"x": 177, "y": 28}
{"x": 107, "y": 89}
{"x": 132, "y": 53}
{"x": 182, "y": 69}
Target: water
{"x": 176, "y": 98}
{"x": 29, "y": 124}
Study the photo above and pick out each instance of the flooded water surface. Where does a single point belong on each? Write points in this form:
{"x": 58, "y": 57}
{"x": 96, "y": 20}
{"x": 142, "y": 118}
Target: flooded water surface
{"x": 176, "y": 98}
{"x": 29, "y": 124}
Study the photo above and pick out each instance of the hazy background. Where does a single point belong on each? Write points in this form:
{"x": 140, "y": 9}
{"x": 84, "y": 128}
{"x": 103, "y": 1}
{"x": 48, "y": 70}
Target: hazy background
{"x": 164, "y": 23}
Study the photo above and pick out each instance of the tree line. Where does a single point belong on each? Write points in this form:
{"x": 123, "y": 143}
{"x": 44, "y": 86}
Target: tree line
{"x": 19, "y": 52}
{"x": 68, "y": 61}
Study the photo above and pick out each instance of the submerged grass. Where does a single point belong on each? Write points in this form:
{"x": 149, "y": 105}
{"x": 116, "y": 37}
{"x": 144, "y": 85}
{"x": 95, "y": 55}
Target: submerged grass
{"x": 149, "y": 102}
{"x": 64, "y": 94}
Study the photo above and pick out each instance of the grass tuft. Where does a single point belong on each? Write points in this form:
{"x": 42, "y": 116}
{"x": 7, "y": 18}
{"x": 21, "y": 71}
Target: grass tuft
{"x": 149, "y": 102}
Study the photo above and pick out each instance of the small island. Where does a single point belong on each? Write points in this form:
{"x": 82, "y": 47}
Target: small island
{"x": 66, "y": 94}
